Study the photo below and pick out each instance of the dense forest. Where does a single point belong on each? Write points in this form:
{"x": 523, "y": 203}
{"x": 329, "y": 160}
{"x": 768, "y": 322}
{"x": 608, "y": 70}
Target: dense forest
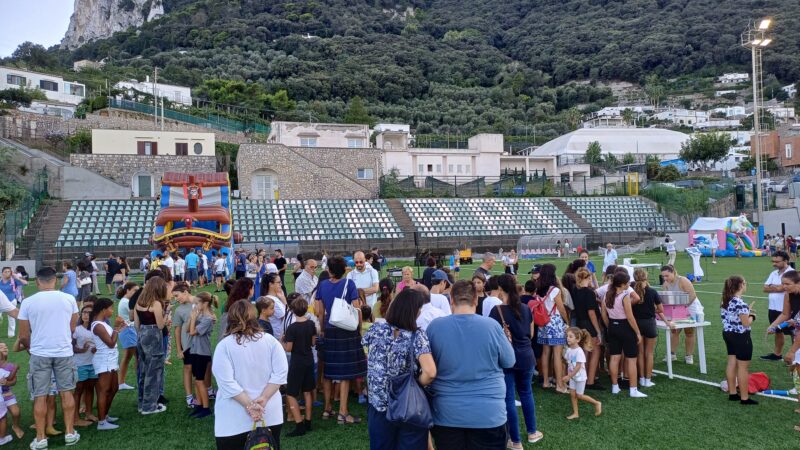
{"x": 445, "y": 66}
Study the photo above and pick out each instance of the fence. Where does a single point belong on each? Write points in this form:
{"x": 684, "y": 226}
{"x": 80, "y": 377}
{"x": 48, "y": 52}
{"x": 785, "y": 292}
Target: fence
{"x": 211, "y": 121}
{"x": 520, "y": 185}
{"x": 17, "y": 219}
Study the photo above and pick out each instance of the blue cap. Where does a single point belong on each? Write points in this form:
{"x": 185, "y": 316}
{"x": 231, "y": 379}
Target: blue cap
{"x": 440, "y": 275}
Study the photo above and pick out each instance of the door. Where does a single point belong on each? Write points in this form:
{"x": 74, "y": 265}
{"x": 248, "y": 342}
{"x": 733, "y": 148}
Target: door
{"x": 264, "y": 187}
{"x": 145, "y": 186}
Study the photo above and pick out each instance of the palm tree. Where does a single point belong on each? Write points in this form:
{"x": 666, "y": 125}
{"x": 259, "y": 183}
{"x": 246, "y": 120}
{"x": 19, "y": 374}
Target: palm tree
{"x": 627, "y": 116}
{"x": 573, "y": 117}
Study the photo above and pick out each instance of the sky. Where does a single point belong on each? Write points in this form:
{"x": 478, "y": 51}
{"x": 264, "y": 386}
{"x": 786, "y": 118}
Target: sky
{"x": 39, "y": 21}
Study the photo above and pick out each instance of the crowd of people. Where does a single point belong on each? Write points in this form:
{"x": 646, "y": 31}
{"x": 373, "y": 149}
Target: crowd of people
{"x": 475, "y": 346}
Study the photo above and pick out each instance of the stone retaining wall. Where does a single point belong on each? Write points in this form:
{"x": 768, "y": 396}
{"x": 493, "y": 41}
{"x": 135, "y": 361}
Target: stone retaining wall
{"x": 122, "y": 168}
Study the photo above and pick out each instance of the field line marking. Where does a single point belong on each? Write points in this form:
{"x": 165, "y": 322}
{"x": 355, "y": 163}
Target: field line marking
{"x": 716, "y": 385}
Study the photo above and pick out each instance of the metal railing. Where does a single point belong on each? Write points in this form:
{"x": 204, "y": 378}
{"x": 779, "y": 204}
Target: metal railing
{"x": 211, "y": 121}
{"x": 17, "y": 219}
{"x": 511, "y": 185}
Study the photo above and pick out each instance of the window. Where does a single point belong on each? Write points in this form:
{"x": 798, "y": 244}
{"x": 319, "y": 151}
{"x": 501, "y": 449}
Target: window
{"x": 198, "y": 148}
{"x": 74, "y": 89}
{"x": 308, "y": 142}
{"x": 355, "y": 143}
{"x": 182, "y": 149}
{"x": 430, "y": 168}
{"x": 420, "y": 168}
{"x": 365, "y": 174}
{"x": 15, "y": 80}
{"x": 788, "y": 149}
{"x": 438, "y": 168}
{"x": 48, "y": 85}
{"x": 460, "y": 168}
{"x": 450, "y": 168}
{"x": 147, "y": 148}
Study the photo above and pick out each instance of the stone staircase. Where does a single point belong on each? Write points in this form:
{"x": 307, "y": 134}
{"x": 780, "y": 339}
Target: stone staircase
{"x": 573, "y": 215}
{"x": 401, "y": 217}
{"x": 38, "y": 241}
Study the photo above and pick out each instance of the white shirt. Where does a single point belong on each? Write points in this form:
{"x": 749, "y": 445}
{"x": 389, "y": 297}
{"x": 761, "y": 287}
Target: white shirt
{"x": 775, "y": 298}
{"x": 714, "y": 242}
{"x": 366, "y": 279}
{"x": 609, "y": 259}
{"x": 573, "y": 356}
{"x": 169, "y": 262}
{"x": 441, "y": 302}
{"x": 276, "y": 320}
{"x": 324, "y": 262}
{"x": 144, "y": 264}
{"x": 124, "y": 311}
{"x": 272, "y": 268}
{"x": 49, "y": 314}
{"x": 82, "y": 336}
{"x": 265, "y": 363}
{"x": 219, "y": 265}
{"x": 305, "y": 284}
{"x": 550, "y": 301}
{"x": 205, "y": 260}
{"x": 5, "y": 304}
{"x": 180, "y": 266}
{"x": 427, "y": 314}
{"x": 488, "y": 305}
{"x": 104, "y": 354}
{"x": 671, "y": 247}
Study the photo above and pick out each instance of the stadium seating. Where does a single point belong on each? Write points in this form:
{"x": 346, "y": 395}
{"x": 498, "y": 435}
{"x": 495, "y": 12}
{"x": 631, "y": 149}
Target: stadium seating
{"x": 486, "y": 217}
{"x": 314, "y": 220}
{"x": 108, "y": 223}
{"x": 620, "y": 214}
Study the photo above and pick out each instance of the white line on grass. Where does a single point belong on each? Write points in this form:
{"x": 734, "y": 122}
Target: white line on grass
{"x": 720, "y": 293}
{"x": 716, "y": 385}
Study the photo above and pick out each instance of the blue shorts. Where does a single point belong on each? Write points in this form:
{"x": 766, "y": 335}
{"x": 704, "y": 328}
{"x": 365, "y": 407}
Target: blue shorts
{"x": 191, "y": 274}
{"x": 86, "y": 373}
{"x": 127, "y": 337}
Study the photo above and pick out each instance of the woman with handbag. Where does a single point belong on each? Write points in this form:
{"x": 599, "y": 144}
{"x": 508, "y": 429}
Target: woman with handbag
{"x": 343, "y": 353}
{"x": 247, "y": 397}
{"x": 394, "y": 347}
{"x": 552, "y": 336}
{"x": 517, "y": 323}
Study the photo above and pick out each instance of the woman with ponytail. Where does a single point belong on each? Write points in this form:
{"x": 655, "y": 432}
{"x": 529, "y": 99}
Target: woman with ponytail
{"x": 201, "y": 323}
{"x": 737, "y": 316}
{"x": 623, "y": 331}
{"x": 386, "y": 287}
{"x": 105, "y": 360}
{"x": 127, "y": 337}
{"x": 645, "y": 309}
{"x": 517, "y": 321}
{"x": 247, "y": 396}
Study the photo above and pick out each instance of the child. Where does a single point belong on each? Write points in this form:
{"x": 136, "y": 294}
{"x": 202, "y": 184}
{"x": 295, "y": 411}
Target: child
{"x": 201, "y": 323}
{"x": 266, "y": 308}
{"x": 180, "y": 322}
{"x": 299, "y": 338}
{"x": 737, "y": 317}
{"x": 83, "y": 351}
{"x": 577, "y": 341}
{"x": 8, "y": 370}
{"x": 105, "y": 360}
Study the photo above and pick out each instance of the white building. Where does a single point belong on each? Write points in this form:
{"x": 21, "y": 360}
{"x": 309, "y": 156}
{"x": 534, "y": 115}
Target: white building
{"x": 682, "y": 116}
{"x": 731, "y": 112}
{"x": 791, "y": 90}
{"x": 152, "y": 143}
{"x": 718, "y": 124}
{"x": 328, "y": 135}
{"x": 611, "y": 116}
{"x": 733, "y": 78}
{"x": 54, "y": 87}
{"x": 171, "y": 92}
{"x": 781, "y": 112}
{"x": 721, "y": 93}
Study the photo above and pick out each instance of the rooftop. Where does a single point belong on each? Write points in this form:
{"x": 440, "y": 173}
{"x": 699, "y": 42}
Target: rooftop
{"x": 615, "y": 140}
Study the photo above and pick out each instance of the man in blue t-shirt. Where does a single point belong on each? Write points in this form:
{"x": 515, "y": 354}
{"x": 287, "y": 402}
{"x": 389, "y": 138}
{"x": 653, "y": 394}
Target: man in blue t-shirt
{"x": 192, "y": 260}
{"x": 241, "y": 264}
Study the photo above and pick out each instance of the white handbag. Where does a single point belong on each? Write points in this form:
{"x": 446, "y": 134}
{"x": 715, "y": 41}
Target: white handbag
{"x": 344, "y": 315}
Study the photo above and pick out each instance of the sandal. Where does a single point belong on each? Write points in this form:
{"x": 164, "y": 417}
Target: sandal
{"x": 327, "y": 414}
{"x": 535, "y": 437}
{"x": 513, "y": 446}
{"x": 343, "y": 420}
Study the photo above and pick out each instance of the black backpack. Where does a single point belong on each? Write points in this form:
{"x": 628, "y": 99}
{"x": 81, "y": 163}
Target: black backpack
{"x": 260, "y": 438}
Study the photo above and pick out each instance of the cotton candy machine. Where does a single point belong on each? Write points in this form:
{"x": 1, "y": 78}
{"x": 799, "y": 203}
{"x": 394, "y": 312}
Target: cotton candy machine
{"x": 676, "y": 304}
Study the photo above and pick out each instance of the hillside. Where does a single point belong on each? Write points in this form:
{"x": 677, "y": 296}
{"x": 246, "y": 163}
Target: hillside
{"x": 448, "y": 66}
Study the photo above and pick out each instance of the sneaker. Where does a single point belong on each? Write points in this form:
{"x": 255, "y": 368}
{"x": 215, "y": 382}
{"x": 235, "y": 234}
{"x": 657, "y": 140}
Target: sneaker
{"x": 636, "y": 394}
{"x": 111, "y": 419}
{"x": 771, "y": 357}
{"x": 202, "y": 412}
{"x": 5, "y": 440}
{"x": 106, "y": 425}
{"x": 689, "y": 359}
{"x": 648, "y": 383}
{"x": 71, "y": 439}
{"x": 126, "y": 387}
{"x": 615, "y": 389}
{"x": 37, "y": 444}
{"x": 190, "y": 401}
{"x": 299, "y": 430}
{"x": 674, "y": 357}
{"x": 212, "y": 394}
{"x": 159, "y": 409}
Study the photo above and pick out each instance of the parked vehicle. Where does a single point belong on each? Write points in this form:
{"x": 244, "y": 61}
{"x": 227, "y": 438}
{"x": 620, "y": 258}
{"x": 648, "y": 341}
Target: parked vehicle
{"x": 774, "y": 186}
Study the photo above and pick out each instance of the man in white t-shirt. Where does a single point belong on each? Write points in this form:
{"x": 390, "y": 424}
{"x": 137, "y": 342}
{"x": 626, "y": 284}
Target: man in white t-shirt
{"x": 169, "y": 262}
{"x": 774, "y": 288}
{"x": 610, "y": 256}
{"x": 440, "y": 282}
{"x": 219, "y": 271}
{"x": 365, "y": 278}
{"x": 307, "y": 280}
{"x": 428, "y": 312}
{"x": 47, "y": 320}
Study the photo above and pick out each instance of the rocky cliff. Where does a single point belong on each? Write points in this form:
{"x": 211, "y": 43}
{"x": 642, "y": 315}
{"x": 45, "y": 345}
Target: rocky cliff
{"x": 96, "y": 19}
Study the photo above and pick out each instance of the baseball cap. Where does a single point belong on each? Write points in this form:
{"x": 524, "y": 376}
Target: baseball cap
{"x": 439, "y": 275}
{"x": 272, "y": 268}
{"x": 87, "y": 254}
{"x": 536, "y": 268}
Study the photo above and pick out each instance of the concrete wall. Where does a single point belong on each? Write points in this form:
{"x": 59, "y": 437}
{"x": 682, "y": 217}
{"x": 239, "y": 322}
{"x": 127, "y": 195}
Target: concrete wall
{"x": 309, "y": 173}
{"x": 326, "y": 134}
{"x": 790, "y": 217}
{"x": 121, "y": 169}
{"x": 29, "y": 264}
{"x": 124, "y": 142}
{"x": 81, "y": 184}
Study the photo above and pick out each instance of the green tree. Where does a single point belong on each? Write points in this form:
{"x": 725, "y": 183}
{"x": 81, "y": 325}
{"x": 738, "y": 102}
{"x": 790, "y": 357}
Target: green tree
{"x": 654, "y": 90}
{"x": 766, "y": 122}
{"x": 668, "y": 173}
{"x": 11, "y": 191}
{"x": 594, "y": 153}
{"x": 80, "y": 142}
{"x": 610, "y": 161}
{"x": 628, "y": 158}
{"x": 627, "y": 116}
{"x": 573, "y": 117}
{"x": 357, "y": 112}
{"x": 14, "y": 98}
{"x": 34, "y": 55}
{"x": 706, "y": 148}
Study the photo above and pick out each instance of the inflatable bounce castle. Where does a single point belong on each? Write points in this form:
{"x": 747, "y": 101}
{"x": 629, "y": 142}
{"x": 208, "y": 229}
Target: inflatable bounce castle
{"x": 195, "y": 213}
{"x": 730, "y": 231}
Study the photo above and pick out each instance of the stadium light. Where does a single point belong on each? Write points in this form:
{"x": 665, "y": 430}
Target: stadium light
{"x": 765, "y": 42}
{"x": 764, "y": 25}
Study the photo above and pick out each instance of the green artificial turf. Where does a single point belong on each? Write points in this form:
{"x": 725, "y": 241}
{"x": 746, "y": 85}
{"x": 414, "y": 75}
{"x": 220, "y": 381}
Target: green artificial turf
{"x": 677, "y": 414}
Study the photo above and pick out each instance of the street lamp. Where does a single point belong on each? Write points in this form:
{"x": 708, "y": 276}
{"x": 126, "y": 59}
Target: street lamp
{"x": 755, "y": 39}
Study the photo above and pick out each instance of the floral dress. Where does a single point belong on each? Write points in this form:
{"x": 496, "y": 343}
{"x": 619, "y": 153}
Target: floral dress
{"x": 555, "y": 332}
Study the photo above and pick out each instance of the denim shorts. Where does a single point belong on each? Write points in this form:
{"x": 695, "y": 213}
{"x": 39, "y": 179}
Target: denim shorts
{"x": 43, "y": 369}
{"x": 86, "y": 373}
